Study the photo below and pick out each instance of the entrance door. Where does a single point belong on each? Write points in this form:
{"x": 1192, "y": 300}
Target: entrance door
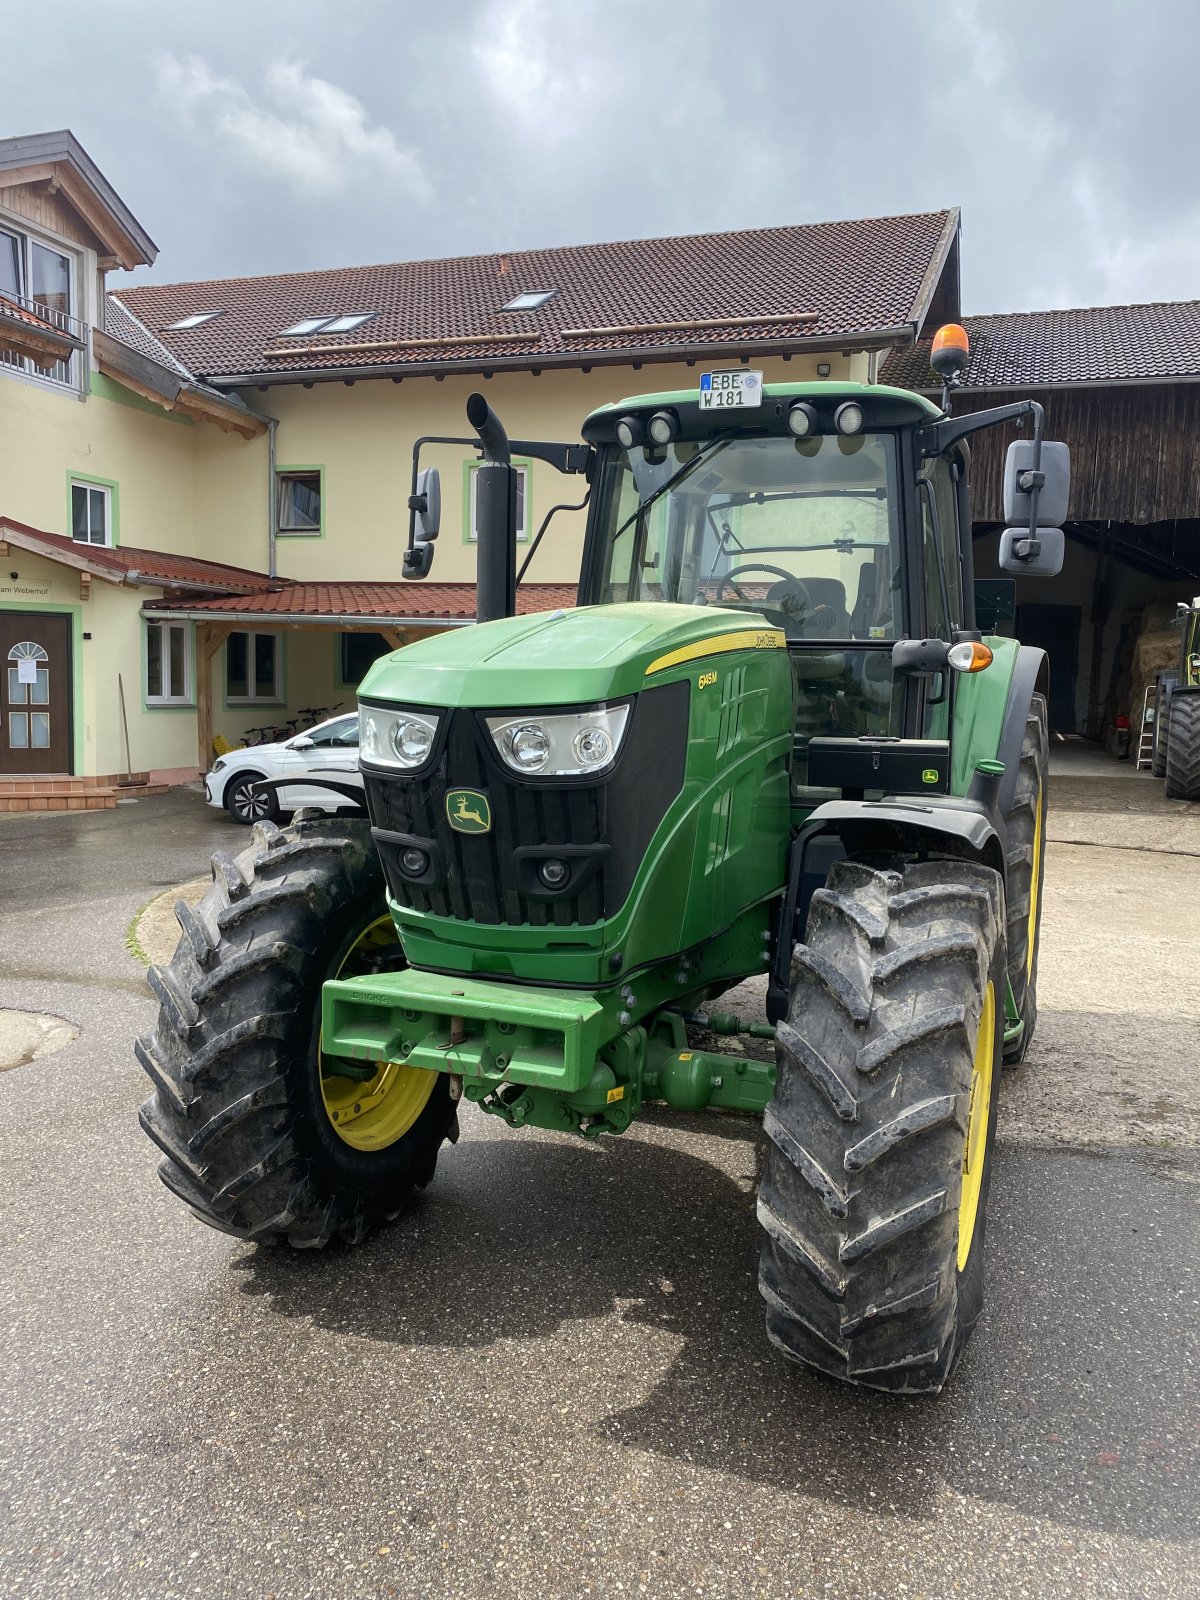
{"x": 35, "y": 693}
{"x": 1055, "y": 629}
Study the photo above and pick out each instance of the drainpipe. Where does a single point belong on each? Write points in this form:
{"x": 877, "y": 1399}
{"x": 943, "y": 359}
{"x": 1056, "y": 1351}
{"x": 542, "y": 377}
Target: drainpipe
{"x": 272, "y": 498}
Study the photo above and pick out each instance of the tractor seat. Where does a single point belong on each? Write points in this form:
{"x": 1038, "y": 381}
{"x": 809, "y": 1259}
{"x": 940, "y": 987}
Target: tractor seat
{"x": 825, "y": 618}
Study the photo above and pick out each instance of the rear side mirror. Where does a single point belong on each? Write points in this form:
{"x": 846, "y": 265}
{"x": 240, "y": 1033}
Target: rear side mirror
{"x": 425, "y": 503}
{"x": 1036, "y": 554}
{"x": 1053, "y": 486}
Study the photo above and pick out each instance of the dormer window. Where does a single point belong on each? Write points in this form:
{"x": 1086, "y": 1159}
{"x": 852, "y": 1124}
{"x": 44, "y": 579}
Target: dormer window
{"x": 340, "y": 324}
{"x": 529, "y": 299}
{"x": 196, "y": 320}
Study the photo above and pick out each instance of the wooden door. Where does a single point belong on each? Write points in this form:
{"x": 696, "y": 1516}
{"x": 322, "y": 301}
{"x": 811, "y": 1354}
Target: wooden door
{"x": 35, "y": 693}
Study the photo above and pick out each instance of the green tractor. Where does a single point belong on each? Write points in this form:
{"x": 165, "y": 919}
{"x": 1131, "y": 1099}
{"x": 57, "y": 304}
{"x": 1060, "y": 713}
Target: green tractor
{"x": 1177, "y": 714}
{"x": 768, "y": 743}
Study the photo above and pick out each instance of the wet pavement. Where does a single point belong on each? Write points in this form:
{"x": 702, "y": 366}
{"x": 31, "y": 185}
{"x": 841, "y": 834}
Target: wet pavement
{"x": 550, "y": 1378}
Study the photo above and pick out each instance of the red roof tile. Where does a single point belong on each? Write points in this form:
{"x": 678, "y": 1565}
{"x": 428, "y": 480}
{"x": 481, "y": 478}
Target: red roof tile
{"x": 391, "y": 602}
{"x": 150, "y": 566}
{"x": 759, "y": 287}
{"x": 1086, "y": 344}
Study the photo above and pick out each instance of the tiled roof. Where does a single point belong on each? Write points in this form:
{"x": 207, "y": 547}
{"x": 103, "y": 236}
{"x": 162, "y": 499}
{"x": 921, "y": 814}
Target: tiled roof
{"x": 762, "y": 287}
{"x": 127, "y": 563}
{"x": 120, "y": 323}
{"x": 1090, "y": 344}
{"x": 450, "y": 602}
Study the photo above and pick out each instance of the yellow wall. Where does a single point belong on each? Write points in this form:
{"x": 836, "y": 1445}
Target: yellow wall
{"x": 109, "y": 634}
{"x": 362, "y": 437}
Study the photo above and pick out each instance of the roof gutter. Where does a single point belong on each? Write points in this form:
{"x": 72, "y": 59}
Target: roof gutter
{"x": 636, "y": 356}
{"x": 295, "y": 619}
{"x": 1041, "y": 387}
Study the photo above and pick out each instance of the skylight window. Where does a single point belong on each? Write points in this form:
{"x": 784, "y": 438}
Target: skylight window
{"x": 529, "y": 300}
{"x": 193, "y": 321}
{"x": 342, "y": 324}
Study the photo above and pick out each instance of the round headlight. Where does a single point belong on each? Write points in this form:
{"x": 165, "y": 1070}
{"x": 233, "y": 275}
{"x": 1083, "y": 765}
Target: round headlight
{"x": 528, "y": 747}
{"x": 413, "y": 861}
{"x": 662, "y": 427}
{"x": 412, "y": 741}
{"x": 592, "y": 747}
{"x": 802, "y": 419}
{"x": 848, "y": 418}
{"x": 629, "y": 431}
{"x": 554, "y": 873}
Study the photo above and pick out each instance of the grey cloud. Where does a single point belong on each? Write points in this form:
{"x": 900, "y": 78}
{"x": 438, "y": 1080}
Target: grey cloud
{"x": 1065, "y": 131}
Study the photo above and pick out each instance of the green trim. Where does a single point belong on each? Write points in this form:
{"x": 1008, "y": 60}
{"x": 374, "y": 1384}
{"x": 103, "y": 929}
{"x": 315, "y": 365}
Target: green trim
{"x": 470, "y": 467}
{"x": 114, "y": 508}
{"x": 280, "y": 671}
{"x": 284, "y": 472}
{"x": 105, "y": 389}
{"x": 169, "y": 705}
{"x": 76, "y": 614}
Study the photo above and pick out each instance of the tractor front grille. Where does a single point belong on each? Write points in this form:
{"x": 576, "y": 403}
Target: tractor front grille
{"x": 603, "y": 828}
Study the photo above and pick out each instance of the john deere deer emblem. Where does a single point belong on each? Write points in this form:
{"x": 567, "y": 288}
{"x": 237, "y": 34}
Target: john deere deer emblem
{"x": 468, "y": 811}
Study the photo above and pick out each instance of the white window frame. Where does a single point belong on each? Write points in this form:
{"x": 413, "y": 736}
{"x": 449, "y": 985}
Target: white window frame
{"x": 526, "y": 478}
{"x": 182, "y": 694}
{"x": 22, "y": 366}
{"x": 251, "y": 634}
{"x": 90, "y": 489}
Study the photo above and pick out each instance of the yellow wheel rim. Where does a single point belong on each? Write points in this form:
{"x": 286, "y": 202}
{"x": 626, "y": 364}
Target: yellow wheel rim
{"x": 975, "y": 1148}
{"x": 372, "y": 1114}
{"x": 1035, "y": 883}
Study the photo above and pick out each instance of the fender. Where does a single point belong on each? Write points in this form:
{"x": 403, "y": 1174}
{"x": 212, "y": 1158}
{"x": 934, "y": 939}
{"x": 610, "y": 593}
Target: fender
{"x": 944, "y": 824}
{"x": 1030, "y": 675}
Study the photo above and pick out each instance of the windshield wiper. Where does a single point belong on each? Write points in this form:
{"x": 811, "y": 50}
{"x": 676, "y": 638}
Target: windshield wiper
{"x": 714, "y": 445}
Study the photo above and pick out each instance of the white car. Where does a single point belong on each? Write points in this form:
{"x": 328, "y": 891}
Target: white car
{"x": 330, "y": 750}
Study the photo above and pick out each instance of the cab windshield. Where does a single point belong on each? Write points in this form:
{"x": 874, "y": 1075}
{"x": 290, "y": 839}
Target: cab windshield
{"x": 801, "y": 531}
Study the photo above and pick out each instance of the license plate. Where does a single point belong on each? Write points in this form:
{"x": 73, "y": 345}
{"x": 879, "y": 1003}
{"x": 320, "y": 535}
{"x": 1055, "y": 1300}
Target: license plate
{"x": 719, "y": 391}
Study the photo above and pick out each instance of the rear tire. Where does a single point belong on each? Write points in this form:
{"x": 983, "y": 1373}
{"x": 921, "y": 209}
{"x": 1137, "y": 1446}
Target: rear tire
{"x": 1182, "y": 781}
{"x": 1026, "y": 826}
{"x": 240, "y": 1108}
{"x": 893, "y": 1035}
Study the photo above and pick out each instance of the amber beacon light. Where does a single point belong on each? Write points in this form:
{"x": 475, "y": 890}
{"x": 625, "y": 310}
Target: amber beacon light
{"x": 951, "y": 350}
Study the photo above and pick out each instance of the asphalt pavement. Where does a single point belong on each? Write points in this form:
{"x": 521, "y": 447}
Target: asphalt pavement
{"x": 550, "y": 1378}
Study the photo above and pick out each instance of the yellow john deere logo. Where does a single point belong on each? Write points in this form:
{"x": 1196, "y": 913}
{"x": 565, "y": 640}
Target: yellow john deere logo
{"x": 468, "y": 811}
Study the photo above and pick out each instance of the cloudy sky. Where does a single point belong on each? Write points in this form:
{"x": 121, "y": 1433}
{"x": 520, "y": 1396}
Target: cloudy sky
{"x": 252, "y": 136}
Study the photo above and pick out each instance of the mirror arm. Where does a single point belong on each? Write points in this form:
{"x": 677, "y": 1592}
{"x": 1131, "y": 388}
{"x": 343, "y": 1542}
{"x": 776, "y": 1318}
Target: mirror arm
{"x": 939, "y": 436}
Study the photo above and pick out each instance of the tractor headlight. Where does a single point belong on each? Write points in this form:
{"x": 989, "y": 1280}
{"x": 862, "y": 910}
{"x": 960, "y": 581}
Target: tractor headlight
{"x": 396, "y": 737}
{"x": 561, "y": 744}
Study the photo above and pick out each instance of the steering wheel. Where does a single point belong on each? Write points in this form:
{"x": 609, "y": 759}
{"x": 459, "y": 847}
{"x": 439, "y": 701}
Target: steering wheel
{"x": 794, "y": 608}
{"x": 795, "y": 603}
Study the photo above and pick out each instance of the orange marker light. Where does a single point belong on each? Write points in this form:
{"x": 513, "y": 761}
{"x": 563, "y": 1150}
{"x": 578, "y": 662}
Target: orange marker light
{"x": 969, "y": 656}
{"x": 951, "y": 349}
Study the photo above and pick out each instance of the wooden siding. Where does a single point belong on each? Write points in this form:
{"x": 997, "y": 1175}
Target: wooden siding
{"x": 1134, "y": 454}
{"x": 50, "y": 211}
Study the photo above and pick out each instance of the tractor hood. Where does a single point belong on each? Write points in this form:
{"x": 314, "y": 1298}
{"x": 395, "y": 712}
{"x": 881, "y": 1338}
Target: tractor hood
{"x": 560, "y": 658}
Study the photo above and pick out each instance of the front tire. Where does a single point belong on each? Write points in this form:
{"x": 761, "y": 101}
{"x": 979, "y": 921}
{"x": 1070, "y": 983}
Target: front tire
{"x": 874, "y": 1196}
{"x": 1182, "y": 780}
{"x": 261, "y": 1136}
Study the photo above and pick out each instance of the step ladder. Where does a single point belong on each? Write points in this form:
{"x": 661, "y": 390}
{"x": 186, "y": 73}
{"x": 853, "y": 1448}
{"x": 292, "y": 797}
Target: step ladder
{"x": 1145, "y": 749}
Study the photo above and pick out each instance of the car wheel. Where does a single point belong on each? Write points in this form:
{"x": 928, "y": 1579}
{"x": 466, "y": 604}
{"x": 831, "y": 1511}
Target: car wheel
{"x": 245, "y": 806}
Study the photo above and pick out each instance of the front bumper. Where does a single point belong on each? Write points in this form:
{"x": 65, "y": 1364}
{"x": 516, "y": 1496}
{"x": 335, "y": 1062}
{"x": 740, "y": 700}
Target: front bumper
{"x": 487, "y": 1034}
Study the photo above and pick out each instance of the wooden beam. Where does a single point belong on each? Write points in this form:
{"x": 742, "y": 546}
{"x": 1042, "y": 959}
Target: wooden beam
{"x": 85, "y": 586}
{"x": 209, "y": 639}
{"x": 394, "y": 636}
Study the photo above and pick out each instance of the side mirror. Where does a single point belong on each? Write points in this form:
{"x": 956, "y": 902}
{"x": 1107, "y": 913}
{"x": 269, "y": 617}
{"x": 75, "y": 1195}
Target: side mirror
{"x": 426, "y": 506}
{"x": 1052, "y": 481}
{"x": 300, "y": 742}
{"x": 1034, "y": 555}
